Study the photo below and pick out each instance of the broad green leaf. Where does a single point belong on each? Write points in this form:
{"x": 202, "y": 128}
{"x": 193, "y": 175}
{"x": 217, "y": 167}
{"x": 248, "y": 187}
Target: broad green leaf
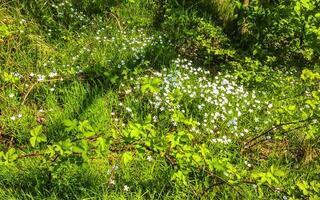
{"x": 41, "y": 138}
{"x": 70, "y": 124}
{"x": 114, "y": 79}
{"x": 127, "y": 157}
{"x": 33, "y": 141}
{"x": 50, "y": 150}
{"x": 36, "y": 131}
{"x": 88, "y": 134}
{"x": 179, "y": 176}
{"x": 76, "y": 149}
{"x": 85, "y": 126}
{"x": 145, "y": 87}
{"x": 292, "y": 108}
{"x": 303, "y": 186}
{"x": 197, "y": 158}
{"x": 12, "y": 154}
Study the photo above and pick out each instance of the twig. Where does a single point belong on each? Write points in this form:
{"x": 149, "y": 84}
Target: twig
{"x": 118, "y": 21}
{"x": 222, "y": 182}
{"x": 30, "y": 155}
{"x": 296, "y": 128}
{"x": 25, "y": 97}
{"x": 277, "y": 126}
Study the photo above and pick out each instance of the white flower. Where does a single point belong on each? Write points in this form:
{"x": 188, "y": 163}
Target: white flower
{"x": 155, "y": 118}
{"x": 19, "y": 115}
{"x": 112, "y": 182}
{"x": 52, "y": 74}
{"x": 11, "y": 95}
{"x": 149, "y": 158}
{"x": 128, "y": 91}
{"x": 126, "y": 188}
{"x": 270, "y": 105}
{"x": 13, "y": 118}
{"x": 41, "y": 77}
{"x": 115, "y": 167}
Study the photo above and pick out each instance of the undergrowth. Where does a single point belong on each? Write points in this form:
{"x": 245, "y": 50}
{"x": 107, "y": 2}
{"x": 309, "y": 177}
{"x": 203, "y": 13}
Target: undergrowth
{"x": 159, "y": 100}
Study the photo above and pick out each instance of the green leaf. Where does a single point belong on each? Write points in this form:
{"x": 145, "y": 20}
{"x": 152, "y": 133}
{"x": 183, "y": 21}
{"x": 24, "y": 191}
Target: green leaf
{"x": 12, "y": 154}
{"x": 76, "y": 149}
{"x": 88, "y": 134}
{"x": 303, "y": 186}
{"x": 33, "y": 141}
{"x": 179, "y": 176}
{"x": 37, "y": 136}
{"x": 101, "y": 145}
{"x": 42, "y": 138}
{"x": 85, "y": 128}
{"x": 156, "y": 81}
{"x": 297, "y": 8}
{"x": 197, "y": 158}
{"x": 50, "y": 150}
{"x": 36, "y": 131}
{"x": 145, "y": 87}
{"x": 292, "y": 108}
{"x": 214, "y": 164}
{"x": 312, "y": 103}
{"x": 315, "y": 186}
{"x": 115, "y": 135}
{"x": 114, "y": 79}
{"x": 277, "y": 172}
{"x": 315, "y": 95}
{"x": 127, "y": 157}
{"x": 70, "y": 124}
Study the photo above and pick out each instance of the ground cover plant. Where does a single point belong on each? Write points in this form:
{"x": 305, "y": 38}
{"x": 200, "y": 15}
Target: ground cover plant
{"x": 135, "y": 99}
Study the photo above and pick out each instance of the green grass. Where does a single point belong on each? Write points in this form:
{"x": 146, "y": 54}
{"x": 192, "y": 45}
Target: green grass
{"x": 133, "y": 111}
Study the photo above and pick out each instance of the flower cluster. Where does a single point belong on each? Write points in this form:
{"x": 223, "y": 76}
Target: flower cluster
{"x": 221, "y": 106}
{"x": 65, "y": 10}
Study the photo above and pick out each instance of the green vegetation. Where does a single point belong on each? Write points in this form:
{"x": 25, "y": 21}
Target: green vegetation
{"x": 146, "y": 99}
